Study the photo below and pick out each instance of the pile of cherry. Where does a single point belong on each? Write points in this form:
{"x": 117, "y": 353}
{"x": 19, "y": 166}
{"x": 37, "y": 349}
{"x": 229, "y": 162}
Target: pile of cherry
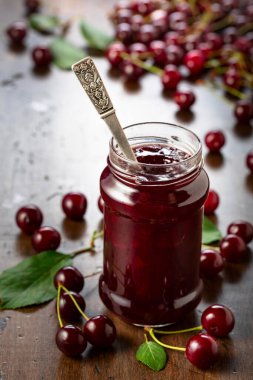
{"x": 183, "y": 42}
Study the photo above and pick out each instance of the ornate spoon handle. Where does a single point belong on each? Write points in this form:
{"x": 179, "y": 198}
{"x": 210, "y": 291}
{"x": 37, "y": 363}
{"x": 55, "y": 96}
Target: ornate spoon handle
{"x": 93, "y": 85}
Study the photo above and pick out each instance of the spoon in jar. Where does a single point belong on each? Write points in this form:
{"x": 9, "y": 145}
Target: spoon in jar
{"x": 93, "y": 85}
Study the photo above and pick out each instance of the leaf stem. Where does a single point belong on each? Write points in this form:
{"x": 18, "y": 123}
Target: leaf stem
{"x": 58, "y": 305}
{"x": 197, "y": 328}
{"x": 151, "y": 332}
{"x": 75, "y": 303}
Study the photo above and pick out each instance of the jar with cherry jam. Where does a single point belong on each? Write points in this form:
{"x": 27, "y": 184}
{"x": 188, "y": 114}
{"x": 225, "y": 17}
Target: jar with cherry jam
{"x": 153, "y": 211}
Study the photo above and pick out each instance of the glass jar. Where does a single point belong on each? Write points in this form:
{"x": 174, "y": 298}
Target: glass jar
{"x": 152, "y": 228}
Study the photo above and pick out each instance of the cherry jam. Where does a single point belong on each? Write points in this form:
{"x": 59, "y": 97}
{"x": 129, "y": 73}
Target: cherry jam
{"x": 153, "y": 211}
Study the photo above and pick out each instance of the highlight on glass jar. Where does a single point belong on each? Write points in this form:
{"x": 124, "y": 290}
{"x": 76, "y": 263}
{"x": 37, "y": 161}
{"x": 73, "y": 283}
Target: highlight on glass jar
{"x": 153, "y": 214}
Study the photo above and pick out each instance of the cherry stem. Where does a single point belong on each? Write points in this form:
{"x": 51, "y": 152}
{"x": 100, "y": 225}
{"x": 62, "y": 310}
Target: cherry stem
{"x": 93, "y": 274}
{"x": 96, "y": 235}
{"x": 197, "y": 328}
{"x": 146, "y": 338}
{"x": 83, "y": 250}
{"x": 138, "y": 62}
{"x": 74, "y": 301}
{"x": 151, "y": 332}
{"x": 58, "y": 306}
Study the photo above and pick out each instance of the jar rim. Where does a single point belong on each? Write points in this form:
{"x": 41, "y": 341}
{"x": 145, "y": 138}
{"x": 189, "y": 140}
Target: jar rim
{"x": 113, "y": 144}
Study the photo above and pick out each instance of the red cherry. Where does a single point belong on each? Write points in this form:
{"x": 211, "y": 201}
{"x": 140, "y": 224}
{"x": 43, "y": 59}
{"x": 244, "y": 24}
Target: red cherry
{"x": 232, "y": 78}
{"x": 233, "y": 248}
{"x": 249, "y": 161}
{"x": 123, "y": 15}
{"x": 68, "y": 310}
{"x": 100, "y": 331}
{"x": 124, "y": 32}
{"x": 202, "y": 350}
{"x": 214, "y": 39}
{"x": 17, "y": 32}
{"x": 71, "y": 340}
{"x": 138, "y": 49}
{"x": 70, "y": 277}
{"x": 212, "y": 202}
{"x": 32, "y": 5}
{"x": 29, "y": 218}
{"x": 215, "y": 140}
{"x": 143, "y": 7}
{"x": 42, "y": 56}
{"x": 136, "y": 22}
{"x": 114, "y": 51}
{"x": 211, "y": 263}
{"x": 194, "y": 60}
{"x": 185, "y": 99}
{"x": 146, "y": 33}
{"x": 174, "y": 54}
{"x": 171, "y": 77}
{"x": 157, "y": 47}
{"x": 243, "y": 110}
{"x": 130, "y": 70}
{"x": 74, "y": 205}
{"x": 242, "y": 229}
{"x": 172, "y": 38}
{"x": 46, "y": 238}
{"x": 218, "y": 320}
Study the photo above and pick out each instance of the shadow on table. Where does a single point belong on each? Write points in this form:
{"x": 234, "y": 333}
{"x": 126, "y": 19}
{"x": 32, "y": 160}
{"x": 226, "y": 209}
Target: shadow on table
{"x": 242, "y": 130}
{"x": 249, "y": 182}
{"x": 74, "y": 230}
{"x": 214, "y": 160}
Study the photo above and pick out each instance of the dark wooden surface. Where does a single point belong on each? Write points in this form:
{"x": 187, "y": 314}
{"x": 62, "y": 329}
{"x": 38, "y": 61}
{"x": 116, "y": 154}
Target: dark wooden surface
{"x": 52, "y": 141}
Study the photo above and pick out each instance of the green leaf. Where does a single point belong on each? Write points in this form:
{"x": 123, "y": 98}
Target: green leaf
{"x": 152, "y": 355}
{"x": 65, "y": 53}
{"x": 210, "y": 232}
{"x": 31, "y": 281}
{"x": 95, "y": 37}
{"x": 44, "y": 23}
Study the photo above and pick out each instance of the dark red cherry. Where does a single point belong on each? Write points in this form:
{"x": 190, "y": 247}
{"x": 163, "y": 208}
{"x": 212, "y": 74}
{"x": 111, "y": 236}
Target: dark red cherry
{"x": 136, "y": 22}
{"x": 74, "y": 205}
{"x": 215, "y": 140}
{"x": 171, "y": 77}
{"x": 242, "y": 229}
{"x": 229, "y": 34}
{"x": 185, "y": 99}
{"x": 174, "y": 54}
{"x": 124, "y": 32}
{"x": 42, "y": 56}
{"x": 243, "y": 110}
{"x": 157, "y": 48}
{"x": 194, "y": 60}
{"x": 114, "y": 51}
{"x": 32, "y": 5}
{"x": 214, "y": 39}
{"x": 71, "y": 340}
{"x": 68, "y": 310}
{"x": 172, "y": 38}
{"x": 45, "y": 239}
{"x": 70, "y": 277}
{"x": 100, "y": 331}
{"x": 218, "y": 320}
{"x": 123, "y": 15}
{"x": 138, "y": 50}
{"x": 249, "y": 161}
{"x": 205, "y": 48}
{"x": 130, "y": 70}
{"x": 29, "y": 218}
{"x": 143, "y": 7}
{"x": 212, "y": 202}
{"x": 159, "y": 18}
{"x": 232, "y": 78}
{"x": 202, "y": 350}
{"x": 146, "y": 33}
{"x": 233, "y": 248}
{"x": 17, "y": 32}
{"x": 101, "y": 204}
{"x": 211, "y": 263}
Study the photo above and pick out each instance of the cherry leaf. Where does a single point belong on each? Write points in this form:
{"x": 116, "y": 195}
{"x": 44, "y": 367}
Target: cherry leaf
{"x": 31, "y": 281}
{"x": 210, "y": 232}
{"x": 65, "y": 53}
{"x": 152, "y": 355}
{"x": 96, "y": 38}
{"x": 44, "y": 23}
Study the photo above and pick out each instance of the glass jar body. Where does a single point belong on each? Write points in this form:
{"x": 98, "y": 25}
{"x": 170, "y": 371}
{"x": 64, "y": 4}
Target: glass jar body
{"x": 152, "y": 244}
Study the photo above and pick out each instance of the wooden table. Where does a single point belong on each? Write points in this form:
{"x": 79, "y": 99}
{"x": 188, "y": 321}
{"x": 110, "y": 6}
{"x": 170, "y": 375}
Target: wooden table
{"x": 52, "y": 141}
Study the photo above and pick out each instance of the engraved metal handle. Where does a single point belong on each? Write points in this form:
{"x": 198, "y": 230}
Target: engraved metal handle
{"x": 93, "y": 85}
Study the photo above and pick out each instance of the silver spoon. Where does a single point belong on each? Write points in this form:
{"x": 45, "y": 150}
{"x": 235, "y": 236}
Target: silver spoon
{"x": 93, "y": 85}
